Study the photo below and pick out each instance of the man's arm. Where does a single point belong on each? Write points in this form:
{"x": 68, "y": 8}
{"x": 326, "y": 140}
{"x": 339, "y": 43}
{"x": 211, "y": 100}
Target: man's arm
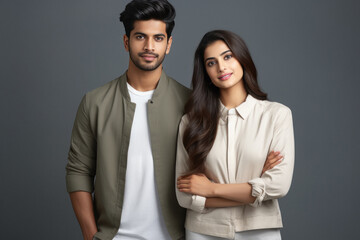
{"x": 83, "y": 207}
{"x": 81, "y": 169}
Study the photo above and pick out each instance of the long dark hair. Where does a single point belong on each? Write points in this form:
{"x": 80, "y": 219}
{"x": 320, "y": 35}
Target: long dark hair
{"x": 202, "y": 109}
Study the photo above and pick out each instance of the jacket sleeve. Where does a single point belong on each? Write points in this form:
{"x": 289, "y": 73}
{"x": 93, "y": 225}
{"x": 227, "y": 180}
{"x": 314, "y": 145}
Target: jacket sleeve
{"x": 189, "y": 201}
{"x": 275, "y": 183}
{"x": 80, "y": 169}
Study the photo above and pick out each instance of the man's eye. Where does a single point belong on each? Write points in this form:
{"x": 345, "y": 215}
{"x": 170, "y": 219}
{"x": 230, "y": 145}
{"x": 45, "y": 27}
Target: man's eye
{"x": 139, "y": 37}
{"x": 159, "y": 39}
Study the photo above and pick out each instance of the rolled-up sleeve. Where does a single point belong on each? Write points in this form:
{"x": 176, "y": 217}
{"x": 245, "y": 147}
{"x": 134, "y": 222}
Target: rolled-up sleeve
{"x": 275, "y": 183}
{"x": 80, "y": 169}
{"x": 189, "y": 201}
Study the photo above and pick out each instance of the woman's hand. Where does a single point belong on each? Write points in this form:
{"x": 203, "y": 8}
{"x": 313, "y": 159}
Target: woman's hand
{"x": 196, "y": 184}
{"x": 273, "y": 159}
{"x": 199, "y": 184}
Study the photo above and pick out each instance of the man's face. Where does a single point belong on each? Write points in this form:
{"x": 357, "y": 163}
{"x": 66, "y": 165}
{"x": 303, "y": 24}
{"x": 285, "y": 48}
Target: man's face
{"x": 148, "y": 44}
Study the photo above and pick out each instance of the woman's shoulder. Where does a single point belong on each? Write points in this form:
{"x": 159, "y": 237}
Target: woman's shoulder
{"x": 184, "y": 120}
{"x": 273, "y": 108}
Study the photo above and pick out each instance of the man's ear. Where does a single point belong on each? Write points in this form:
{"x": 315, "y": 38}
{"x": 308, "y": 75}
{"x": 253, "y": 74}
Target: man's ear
{"x": 126, "y": 42}
{"x": 168, "y": 45}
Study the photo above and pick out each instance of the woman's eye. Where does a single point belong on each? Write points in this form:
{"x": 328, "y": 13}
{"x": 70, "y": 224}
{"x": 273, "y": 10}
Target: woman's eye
{"x": 210, "y": 63}
{"x": 228, "y": 56}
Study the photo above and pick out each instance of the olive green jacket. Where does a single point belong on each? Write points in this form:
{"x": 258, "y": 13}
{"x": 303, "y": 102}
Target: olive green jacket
{"x": 99, "y": 146}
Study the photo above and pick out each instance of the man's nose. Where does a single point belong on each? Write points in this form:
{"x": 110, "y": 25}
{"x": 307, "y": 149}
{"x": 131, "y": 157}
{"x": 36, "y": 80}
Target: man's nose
{"x": 149, "y": 45}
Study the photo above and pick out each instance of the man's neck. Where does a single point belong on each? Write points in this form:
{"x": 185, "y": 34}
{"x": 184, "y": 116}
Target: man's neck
{"x": 143, "y": 80}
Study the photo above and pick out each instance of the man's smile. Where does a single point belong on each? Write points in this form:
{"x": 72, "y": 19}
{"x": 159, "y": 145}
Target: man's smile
{"x": 149, "y": 57}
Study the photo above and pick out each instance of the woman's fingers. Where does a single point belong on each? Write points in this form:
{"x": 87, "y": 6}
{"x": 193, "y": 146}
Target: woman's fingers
{"x": 181, "y": 186}
{"x": 271, "y": 155}
{"x": 274, "y": 158}
{"x": 185, "y": 190}
{"x": 275, "y": 163}
{"x": 184, "y": 186}
{"x": 183, "y": 181}
{"x": 271, "y": 158}
{"x": 183, "y": 177}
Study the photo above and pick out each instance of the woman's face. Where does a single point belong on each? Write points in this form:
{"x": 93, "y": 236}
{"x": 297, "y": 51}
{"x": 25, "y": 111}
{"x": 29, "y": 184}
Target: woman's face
{"x": 223, "y": 69}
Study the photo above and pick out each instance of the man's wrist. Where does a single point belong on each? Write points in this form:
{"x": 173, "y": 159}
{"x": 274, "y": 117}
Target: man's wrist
{"x": 89, "y": 235}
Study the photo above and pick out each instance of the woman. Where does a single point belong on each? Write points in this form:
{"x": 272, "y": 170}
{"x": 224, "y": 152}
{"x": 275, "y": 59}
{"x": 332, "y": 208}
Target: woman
{"x": 224, "y": 139}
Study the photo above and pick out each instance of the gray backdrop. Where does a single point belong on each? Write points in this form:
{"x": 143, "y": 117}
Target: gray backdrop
{"x": 53, "y": 52}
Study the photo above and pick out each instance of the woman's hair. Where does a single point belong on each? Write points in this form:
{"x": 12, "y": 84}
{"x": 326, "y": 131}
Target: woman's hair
{"x": 148, "y": 9}
{"x": 203, "y": 107}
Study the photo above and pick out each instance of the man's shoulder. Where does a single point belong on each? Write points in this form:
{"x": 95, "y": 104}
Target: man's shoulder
{"x": 102, "y": 96}
{"x": 103, "y": 90}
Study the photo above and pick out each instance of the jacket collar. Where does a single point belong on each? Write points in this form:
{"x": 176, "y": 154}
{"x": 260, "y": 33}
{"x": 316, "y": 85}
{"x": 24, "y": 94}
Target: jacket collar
{"x": 243, "y": 110}
{"x": 159, "y": 90}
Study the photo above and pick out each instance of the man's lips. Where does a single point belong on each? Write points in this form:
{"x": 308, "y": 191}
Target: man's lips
{"x": 225, "y": 76}
{"x": 148, "y": 57}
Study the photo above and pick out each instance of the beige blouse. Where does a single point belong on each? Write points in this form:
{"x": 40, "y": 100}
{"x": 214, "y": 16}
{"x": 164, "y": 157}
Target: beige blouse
{"x": 245, "y": 136}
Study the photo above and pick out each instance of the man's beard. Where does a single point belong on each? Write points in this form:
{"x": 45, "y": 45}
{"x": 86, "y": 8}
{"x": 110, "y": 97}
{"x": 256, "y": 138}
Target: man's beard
{"x": 145, "y": 67}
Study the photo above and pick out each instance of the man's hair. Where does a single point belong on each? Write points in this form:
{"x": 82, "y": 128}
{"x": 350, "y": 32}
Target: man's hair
{"x": 148, "y": 9}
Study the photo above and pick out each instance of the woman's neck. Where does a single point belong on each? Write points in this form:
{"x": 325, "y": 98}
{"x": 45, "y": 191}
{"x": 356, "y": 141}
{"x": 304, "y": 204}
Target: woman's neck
{"x": 233, "y": 96}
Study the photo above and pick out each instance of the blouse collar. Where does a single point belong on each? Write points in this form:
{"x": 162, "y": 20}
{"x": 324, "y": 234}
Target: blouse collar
{"x": 243, "y": 110}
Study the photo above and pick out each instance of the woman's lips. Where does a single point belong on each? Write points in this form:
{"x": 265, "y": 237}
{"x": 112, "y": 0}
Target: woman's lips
{"x": 225, "y": 76}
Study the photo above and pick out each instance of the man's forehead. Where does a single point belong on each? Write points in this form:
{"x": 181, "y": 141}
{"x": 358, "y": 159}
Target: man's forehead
{"x": 150, "y": 27}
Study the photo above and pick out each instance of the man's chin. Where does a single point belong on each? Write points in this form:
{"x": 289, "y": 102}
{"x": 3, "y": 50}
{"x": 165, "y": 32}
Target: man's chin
{"x": 148, "y": 67}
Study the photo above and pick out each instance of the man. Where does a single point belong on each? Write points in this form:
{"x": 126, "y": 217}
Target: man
{"x": 124, "y": 139}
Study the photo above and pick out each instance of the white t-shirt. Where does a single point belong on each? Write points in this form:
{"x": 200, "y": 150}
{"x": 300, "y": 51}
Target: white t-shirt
{"x": 141, "y": 216}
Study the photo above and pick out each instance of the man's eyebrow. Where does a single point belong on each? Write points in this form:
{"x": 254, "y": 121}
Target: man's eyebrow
{"x": 160, "y": 35}
{"x": 156, "y": 35}
{"x": 220, "y": 55}
{"x": 139, "y": 33}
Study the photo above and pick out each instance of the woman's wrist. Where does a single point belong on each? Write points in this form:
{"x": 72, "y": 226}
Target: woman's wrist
{"x": 214, "y": 189}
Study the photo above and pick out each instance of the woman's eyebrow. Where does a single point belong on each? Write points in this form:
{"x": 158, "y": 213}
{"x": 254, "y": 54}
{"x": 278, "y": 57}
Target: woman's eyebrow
{"x": 220, "y": 55}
